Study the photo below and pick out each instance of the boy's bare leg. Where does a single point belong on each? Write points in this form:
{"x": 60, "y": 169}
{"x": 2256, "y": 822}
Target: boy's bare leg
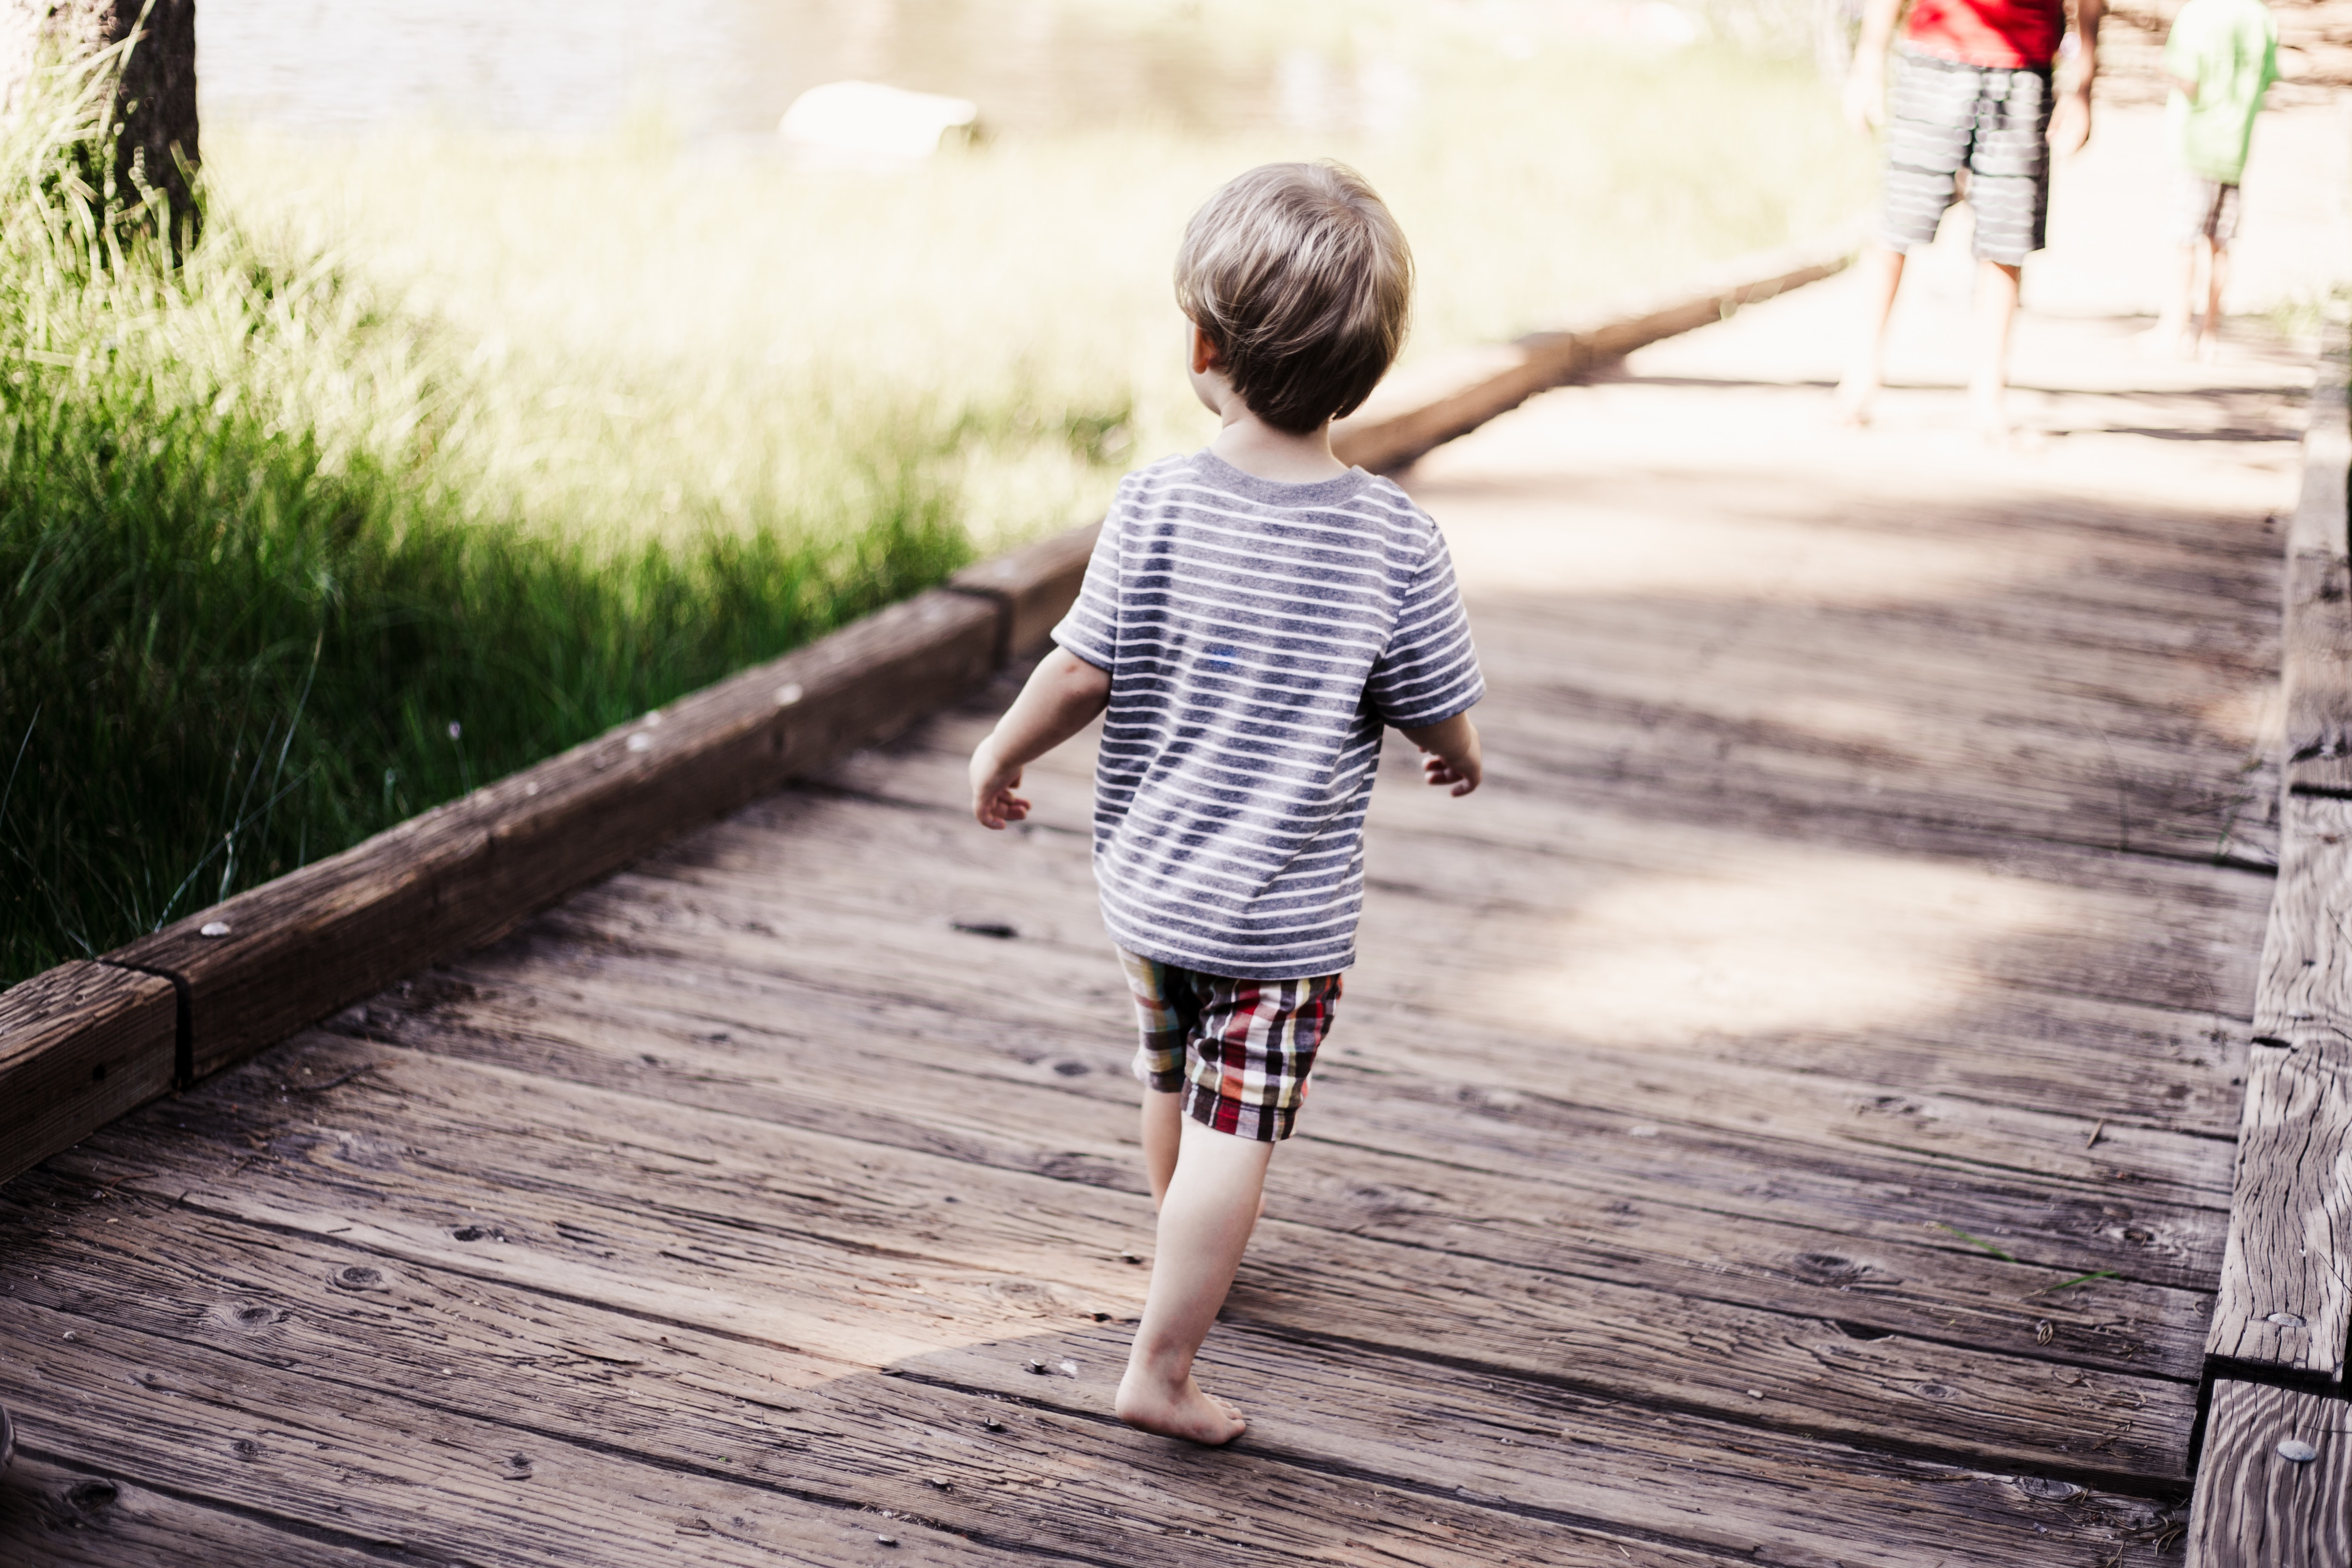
{"x": 1205, "y": 1219}
{"x": 1164, "y": 1122}
{"x": 2217, "y": 271}
{"x": 1881, "y": 274}
{"x": 2170, "y": 334}
{"x": 1989, "y": 383}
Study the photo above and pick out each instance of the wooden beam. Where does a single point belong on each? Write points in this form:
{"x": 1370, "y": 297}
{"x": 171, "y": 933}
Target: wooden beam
{"x": 79, "y": 1045}
{"x": 1033, "y": 586}
{"x": 1427, "y": 406}
{"x": 2283, "y": 1304}
{"x": 2318, "y": 654}
{"x": 2275, "y": 1487}
{"x": 274, "y": 958}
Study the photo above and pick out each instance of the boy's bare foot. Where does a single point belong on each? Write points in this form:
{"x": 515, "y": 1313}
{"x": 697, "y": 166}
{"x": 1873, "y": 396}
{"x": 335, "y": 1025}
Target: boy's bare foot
{"x": 1185, "y": 1411}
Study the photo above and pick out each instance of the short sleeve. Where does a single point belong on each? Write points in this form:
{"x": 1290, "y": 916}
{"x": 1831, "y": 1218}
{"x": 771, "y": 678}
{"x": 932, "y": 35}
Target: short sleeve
{"x": 2180, "y": 49}
{"x": 1429, "y": 671}
{"x": 1091, "y": 630}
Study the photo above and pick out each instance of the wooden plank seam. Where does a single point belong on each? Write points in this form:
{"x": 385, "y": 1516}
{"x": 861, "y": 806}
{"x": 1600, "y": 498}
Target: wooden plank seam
{"x": 184, "y": 1046}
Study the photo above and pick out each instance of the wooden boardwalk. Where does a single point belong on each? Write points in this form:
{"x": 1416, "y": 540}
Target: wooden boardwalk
{"x": 1786, "y": 1117}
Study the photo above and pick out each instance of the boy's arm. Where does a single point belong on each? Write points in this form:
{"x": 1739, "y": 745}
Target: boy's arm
{"x": 1063, "y": 696}
{"x": 1866, "y": 80}
{"x": 1451, "y": 753}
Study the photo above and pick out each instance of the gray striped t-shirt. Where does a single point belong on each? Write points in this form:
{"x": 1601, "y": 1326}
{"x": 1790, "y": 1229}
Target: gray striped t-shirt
{"x": 1258, "y": 636}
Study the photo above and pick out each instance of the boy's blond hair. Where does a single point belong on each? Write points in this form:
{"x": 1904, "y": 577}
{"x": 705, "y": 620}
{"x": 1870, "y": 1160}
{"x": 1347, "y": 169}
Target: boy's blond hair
{"x": 1302, "y": 279}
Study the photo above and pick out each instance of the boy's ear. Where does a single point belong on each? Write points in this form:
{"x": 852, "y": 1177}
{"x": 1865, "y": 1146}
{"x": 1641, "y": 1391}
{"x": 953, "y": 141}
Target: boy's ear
{"x": 1206, "y": 355}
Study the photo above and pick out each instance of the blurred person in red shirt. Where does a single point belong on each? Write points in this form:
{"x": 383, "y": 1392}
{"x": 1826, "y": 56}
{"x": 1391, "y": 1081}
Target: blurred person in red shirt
{"x": 1974, "y": 112}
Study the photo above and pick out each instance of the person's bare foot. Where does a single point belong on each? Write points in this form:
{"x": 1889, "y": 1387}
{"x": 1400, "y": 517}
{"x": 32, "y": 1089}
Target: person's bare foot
{"x": 1852, "y": 401}
{"x": 1185, "y": 1411}
{"x": 1989, "y": 414}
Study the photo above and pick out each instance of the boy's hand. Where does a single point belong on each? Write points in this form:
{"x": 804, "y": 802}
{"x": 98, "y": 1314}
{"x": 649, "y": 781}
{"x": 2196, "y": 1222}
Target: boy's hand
{"x": 2070, "y": 123}
{"x": 992, "y": 783}
{"x": 1450, "y": 754}
{"x": 1865, "y": 93}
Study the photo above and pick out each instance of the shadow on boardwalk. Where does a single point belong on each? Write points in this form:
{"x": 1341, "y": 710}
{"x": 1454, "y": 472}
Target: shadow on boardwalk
{"x": 1789, "y": 1108}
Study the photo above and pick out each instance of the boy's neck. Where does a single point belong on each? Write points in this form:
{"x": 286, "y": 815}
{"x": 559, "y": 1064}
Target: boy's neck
{"x": 1281, "y": 457}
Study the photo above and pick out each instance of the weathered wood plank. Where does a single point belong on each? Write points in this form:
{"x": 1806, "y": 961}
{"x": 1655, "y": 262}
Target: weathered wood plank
{"x": 400, "y": 1473}
{"x": 2305, "y": 992}
{"x": 2317, "y": 672}
{"x": 59, "y": 1516}
{"x": 532, "y": 1187}
{"x": 1419, "y": 412}
{"x": 2255, "y": 1506}
{"x": 2285, "y": 1303}
{"x": 1350, "y": 1440}
{"x": 79, "y": 1045}
{"x": 1034, "y": 587}
{"x": 296, "y": 948}
{"x": 1487, "y": 1042}
{"x": 964, "y": 1080}
{"x": 1586, "y": 1215}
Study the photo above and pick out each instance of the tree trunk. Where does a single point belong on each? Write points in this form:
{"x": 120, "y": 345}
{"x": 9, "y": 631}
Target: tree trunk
{"x": 155, "y": 123}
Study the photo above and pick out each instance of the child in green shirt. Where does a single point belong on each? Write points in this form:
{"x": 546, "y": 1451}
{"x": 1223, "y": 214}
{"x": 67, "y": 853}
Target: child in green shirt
{"x": 2222, "y": 56}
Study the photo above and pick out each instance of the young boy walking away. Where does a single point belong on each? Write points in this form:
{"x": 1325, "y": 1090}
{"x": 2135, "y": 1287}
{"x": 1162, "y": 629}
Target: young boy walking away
{"x": 1253, "y": 615}
{"x": 2220, "y": 56}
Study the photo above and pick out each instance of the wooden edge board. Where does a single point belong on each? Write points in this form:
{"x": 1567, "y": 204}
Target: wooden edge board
{"x": 79, "y": 1045}
{"x": 2319, "y": 520}
{"x": 268, "y": 961}
{"x": 2274, "y": 1490}
{"x": 2282, "y": 1311}
{"x": 1033, "y": 587}
{"x": 1389, "y": 442}
{"x": 2315, "y": 670}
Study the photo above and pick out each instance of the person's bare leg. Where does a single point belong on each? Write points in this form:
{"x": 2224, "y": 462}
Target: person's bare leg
{"x": 1205, "y": 1219}
{"x": 1881, "y": 267}
{"x": 1996, "y": 313}
{"x": 2217, "y": 272}
{"x": 2169, "y": 336}
{"x": 1163, "y": 1120}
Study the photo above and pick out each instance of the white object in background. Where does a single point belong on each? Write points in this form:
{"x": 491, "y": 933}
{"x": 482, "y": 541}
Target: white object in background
{"x": 866, "y": 118}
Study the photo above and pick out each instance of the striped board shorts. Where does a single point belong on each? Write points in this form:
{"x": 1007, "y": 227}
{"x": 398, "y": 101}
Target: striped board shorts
{"x": 1238, "y": 1050}
{"x": 1992, "y": 121}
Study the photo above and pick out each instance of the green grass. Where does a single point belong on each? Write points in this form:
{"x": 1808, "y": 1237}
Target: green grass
{"x": 240, "y": 629}
{"x": 440, "y": 454}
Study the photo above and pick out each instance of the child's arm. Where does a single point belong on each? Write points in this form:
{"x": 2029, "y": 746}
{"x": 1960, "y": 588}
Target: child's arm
{"x": 2069, "y": 119}
{"x": 1452, "y": 753}
{"x": 1866, "y": 82}
{"x": 1064, "y": 694}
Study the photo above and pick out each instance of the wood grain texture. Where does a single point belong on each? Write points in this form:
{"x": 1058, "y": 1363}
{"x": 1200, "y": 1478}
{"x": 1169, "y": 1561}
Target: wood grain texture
{"x": 313, "y": 941}
{"x": 71, "y": 1516}
{"x": 79, "y": 1045}
{"x": 1350, "y": 1442}
{"x": 2282, "y": 1302}
{"x": 539, "y": 1180}
{"x": 1033, "y": 586}
{"x": 2257, "y": 1508}
{"x": 2318, "y": 667}
{"x": 2318, "y": 674}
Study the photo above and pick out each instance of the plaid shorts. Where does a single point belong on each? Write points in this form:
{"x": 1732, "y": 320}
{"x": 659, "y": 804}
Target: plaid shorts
{"x": 2203, "y": 209}
{"x": 1239, "y": 1050}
